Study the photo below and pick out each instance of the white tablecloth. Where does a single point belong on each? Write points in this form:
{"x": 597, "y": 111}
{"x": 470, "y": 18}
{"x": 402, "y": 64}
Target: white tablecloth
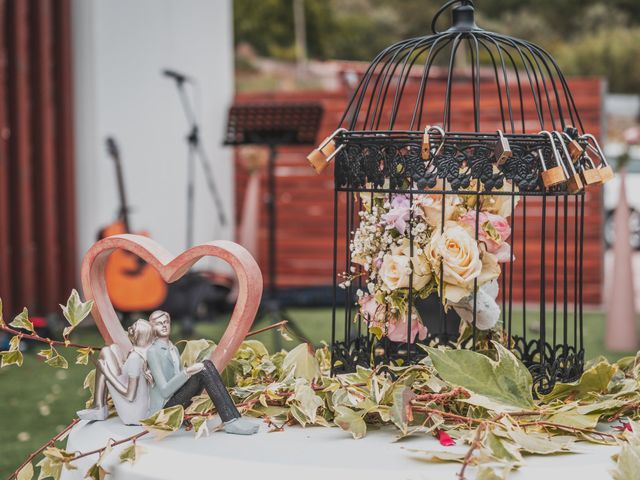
{"x": 304, "y": 454}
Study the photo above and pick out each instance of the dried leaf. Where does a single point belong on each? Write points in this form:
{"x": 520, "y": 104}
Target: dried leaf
{"x": 22, "y": 321}
{"x": 200, "y": 426}
{"x": 594, "y": 380}
{"x": 438, "y": 456}
{"x": 541, "y": 443}
{"x": 306, "y": 400}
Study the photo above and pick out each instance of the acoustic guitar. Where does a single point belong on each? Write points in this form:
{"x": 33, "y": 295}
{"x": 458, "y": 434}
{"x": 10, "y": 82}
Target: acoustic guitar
{"x": 133, "y": 285}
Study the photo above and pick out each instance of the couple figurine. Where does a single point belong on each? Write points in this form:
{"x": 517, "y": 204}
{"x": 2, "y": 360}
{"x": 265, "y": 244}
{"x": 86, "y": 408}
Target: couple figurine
{"x": 152, "y": 378}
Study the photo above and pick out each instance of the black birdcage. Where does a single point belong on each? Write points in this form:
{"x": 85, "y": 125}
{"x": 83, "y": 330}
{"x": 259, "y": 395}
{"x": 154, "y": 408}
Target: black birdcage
{"x": 480, "y": 130}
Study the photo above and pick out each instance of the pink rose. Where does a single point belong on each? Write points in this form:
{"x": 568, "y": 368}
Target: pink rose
{"x": 397, "y": 329}
{"x": 371, "y": 310}
{"x": 398, "y": 216}
{"x": 493, "y": 231}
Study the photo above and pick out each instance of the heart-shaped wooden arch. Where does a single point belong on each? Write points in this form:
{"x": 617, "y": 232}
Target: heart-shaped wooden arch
{"x": 171, "y": 269}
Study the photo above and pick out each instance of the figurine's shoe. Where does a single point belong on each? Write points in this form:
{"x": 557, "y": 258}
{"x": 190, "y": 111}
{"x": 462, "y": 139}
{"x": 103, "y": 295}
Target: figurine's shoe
{"x": 240, "y": 426}
{"x": 94, "y": 414}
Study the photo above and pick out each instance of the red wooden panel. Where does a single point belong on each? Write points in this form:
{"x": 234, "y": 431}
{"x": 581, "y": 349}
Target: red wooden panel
{"x": 66, "y": 179}
{"x": 44, "y": 192}
{"x": 5, "y": 246}
{"x": 21, "y": 219}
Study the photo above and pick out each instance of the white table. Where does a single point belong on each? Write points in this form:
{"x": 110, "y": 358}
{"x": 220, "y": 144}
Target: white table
{"x": 304, "y": 454}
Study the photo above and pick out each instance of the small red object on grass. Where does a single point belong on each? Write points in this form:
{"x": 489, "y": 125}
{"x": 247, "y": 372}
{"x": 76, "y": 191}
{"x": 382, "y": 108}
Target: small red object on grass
{"x": 444, "y": 439}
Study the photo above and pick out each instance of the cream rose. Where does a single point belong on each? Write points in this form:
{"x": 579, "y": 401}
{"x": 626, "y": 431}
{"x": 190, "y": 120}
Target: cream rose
{"x": 460, "y": 257}
{"x": 395, "y": 271}
{"x": 419, "y": 261}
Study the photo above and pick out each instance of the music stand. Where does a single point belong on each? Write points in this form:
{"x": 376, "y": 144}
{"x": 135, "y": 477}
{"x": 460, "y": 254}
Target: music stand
{"x": 273, "y": 124}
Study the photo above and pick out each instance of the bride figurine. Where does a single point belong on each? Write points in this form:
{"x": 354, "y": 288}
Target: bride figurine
{"x": 127, "y": 382}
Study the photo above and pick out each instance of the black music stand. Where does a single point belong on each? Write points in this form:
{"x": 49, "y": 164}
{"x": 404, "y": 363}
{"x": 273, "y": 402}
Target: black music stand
{"x": 273, "y": 124}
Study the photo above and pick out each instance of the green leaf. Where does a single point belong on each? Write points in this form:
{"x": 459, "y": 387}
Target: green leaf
{"x": 503, "y": 449}
{"x": 200, "y": 404}
{"x": 192, "y": 350}
{"x": 594, "y": 380}
{"x": 26, "y": 472}
{"x": 402, "y": 396}
{"x": 22, "y": 321}
{"x": 307, "y": 402}
{"x": 54, "y": 459}
{"x": 438, "y": 456}
{"x": 131, "y": 454}
{"x": 488, "y": 473}
{"x": 75, "y": 311}
{"x": 53, "y": 358}
{"x": 573, "y": 418}
{"x": 350, "y": 421}
{"x": 301, "y": 363}
{"x": 83, "y": 355}
{"x": 96, "y": 472}
{"x": 165, "y": 421}
{"x": 541, "y": 443}
{"x": 200, "y": 426}
{"x": 11, "y": 358}
{"x": 505, "y": 381}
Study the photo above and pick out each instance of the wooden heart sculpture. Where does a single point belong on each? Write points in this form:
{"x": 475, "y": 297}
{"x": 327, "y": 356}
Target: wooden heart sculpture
{"x": 171, "y": 269}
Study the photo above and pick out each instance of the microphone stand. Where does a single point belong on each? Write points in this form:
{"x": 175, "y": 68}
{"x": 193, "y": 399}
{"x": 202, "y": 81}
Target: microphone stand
{"x": 196, "y": 149}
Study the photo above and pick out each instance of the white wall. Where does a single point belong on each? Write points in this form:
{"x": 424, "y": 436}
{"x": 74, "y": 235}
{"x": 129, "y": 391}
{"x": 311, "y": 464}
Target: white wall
{"x": 120, "y": 46}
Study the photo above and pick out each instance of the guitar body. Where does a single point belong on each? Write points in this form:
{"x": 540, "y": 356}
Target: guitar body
{"x": 133, "y": 286}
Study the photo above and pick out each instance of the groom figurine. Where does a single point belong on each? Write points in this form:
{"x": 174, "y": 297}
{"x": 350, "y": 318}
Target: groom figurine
{"x": 173, "y": 385}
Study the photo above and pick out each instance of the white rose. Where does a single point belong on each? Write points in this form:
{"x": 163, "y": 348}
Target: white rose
{"x": 458, "y": 251}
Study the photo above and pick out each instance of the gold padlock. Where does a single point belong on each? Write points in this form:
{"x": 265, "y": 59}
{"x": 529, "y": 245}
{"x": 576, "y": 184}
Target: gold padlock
{"x": 575, "y": 150}
{"x": 604, "y": 169}
{"x": 326, "y": 151}
{"x": 503, "y": 149}
{"x": 555, "y": 175}
{"x": 590, "y": 176}
{"x": 426, "y": 144}
{"x": 574, "y": 182}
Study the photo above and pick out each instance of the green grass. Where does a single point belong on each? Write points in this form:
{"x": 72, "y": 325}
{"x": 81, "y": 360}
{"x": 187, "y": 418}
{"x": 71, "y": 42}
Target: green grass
{"x": 38, "y": 401}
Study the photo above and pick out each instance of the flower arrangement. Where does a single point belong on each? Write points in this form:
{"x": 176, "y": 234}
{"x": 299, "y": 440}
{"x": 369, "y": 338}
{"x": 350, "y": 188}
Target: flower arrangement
{"x": 415, "y": 245}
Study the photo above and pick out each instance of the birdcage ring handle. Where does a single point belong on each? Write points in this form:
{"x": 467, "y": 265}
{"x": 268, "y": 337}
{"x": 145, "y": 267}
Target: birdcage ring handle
{"x": 443, "y": 8}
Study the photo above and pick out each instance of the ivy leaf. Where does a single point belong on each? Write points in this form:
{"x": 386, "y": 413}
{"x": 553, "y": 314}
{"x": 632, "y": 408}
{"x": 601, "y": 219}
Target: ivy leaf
{"x": 503, "y": 449}
{"x": 22, "y": 321}
{"x": 350, "y": 421}
{"x": 83, "y": 355}
{"x": 53, "y": 358}
{"x": 301, "y": 363}
{"x": 192, "y": 350}
{"x": 507, "y": 382}
{"x": 488, "y": 473}
{"x": 131, "y": 454}
{"x": 307, "y": 402}
{"x": 200, "y": 426}
{"x": 541, "y": 443}
{"x": 438, "y": 456}
{"x": 26, "y": 472}
{"x": 11, "y": 358}
{"x": 164, "y": 421}
{"x": 51, "y": 464}
{"x": 75, "y": 311}
{"x": 595, "y": 379}
{"x": 96, "y": 472}
{"x": 402, "y": 397}
{"x": 200, "y": 405}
